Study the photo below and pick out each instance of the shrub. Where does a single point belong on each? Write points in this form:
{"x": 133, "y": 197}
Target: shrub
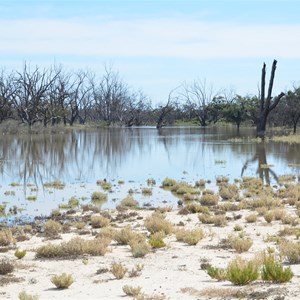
{"x": 6, "y": 266}
{"x": 290, "y": 250}
{"x": 217, "y": 273}
{"x": 200, "y": 183}
{"x": 126, "y": 235}
{"x": 240, "y": 244}
{"x": 209, "y": 199}
{"x": 156, "y": 240}
{"x": 146, "y": 191}
{"x": 151, "y": 181}
{"x": 229, "y": 192}
{"x": 220, "y": 220}
{"x": 104, "y": 184}
{"x": 52, "y": 229}
{"x": 274, "y": 271}
{"x": 206, "y": 218}
{"x": 20, "y": 254}
{"x": 167, "y": 182}
{"x": 242, "y": 272}
{"x": 98, "y": 197}
{"x": 73, "y": 248}
{"x": 24, "y": 296}
{"x": 139, "y": 248}
{"x": 56, "y": 184}
{"x": 132, "y": 291}
{"x": 157, "y": 223}
{"x": 99, "y": 221}
{"x": 136, "y": 271}
{"x": 190, "y": 237}
{"x": 269, "y": 217}
{"x": 252, "y": 218}
{"x": 197, "y": 208}
{"x": 118, "y": 270}
{"x": 62, "y": 281}
{"x": 129, "y": 202}
{"x": 6, "y": 237}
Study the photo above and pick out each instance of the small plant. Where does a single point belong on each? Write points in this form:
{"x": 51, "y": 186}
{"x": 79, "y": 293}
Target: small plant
{"x": 52, "y": 229}
{"x": 156, "y": 240}
{"x": 129, "y": 202}
{"x": 242, "y": 272}
{"x": 139, "y": 249}
{"x": 62, "y": 281}
{"x": 136, "y": 271}
{"x": 209, "y": 199}
{"x": 290, "y": 250}
{"x": 99, "y": 221}
{"x": 269, "y": 217}
{"x": 274, "y": 271}
{"x": 20, "y": 254}
{"x": 6, "y": 237}
{"x": 118, "y": 270}
{"x": 106, "y": 186}
{"x": 168, "y": 182}
{"x": 151, "y": 181}
{"x": 24, "y": 296}
{"x": 197, "y": 208}
{"x": 56, "y": 184}
{"x": 237, "y": 227}
{"x": 98, "y": 197}
{"x": 157, "y": 223}
{"x": 191, "y": 237}
{"x": 126, "y": 236}
{"x": 6, "y": 266}
{"x": 132, "y": 291}
{"x": 147, "y": 191}
{"x": 252, "y": 218}
{"x": 217, "y": 273}
{"x": 240, "y": 244}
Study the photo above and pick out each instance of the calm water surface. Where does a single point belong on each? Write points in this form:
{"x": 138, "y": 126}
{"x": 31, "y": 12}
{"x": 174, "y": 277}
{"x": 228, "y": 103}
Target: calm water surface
{"x": 132, "y": 155}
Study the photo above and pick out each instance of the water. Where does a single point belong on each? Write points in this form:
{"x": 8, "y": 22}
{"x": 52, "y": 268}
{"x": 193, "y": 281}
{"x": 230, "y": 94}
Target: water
{"x": 132, "y": 155}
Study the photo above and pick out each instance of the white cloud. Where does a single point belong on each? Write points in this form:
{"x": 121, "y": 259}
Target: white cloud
{"x": 156, "y": 37}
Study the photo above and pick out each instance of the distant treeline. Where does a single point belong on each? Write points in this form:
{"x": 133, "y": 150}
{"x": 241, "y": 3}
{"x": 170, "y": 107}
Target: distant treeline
{"x": 52, "y": 96}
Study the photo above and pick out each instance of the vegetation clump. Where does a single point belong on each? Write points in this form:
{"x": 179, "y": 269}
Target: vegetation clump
{"x": 209, "y": 199}
{"x": 62, "y": 281}
{"x": 56, "y": 184}
{"x": 106, "y": 186}
{"x": 52, "y": 229}
{"x": 24, "y": 296}
{"x": 118, "y": 270}
{"x": 273, "y": 271}
{"x": 132, "y": 291}
{"x": 157, "y": 223}
{"x": 98, "y": 197}
{"x": 129, "y": 202}
{"x": 6, "y": 237}
{"x": 6, "y": 266}
{"x": 242, "y": 272}
{"x": 190, "y": 237}
{"x": 99, "y": 221}
{"x": 240, "y": 244}
{"x": 156, "y": 240}
{"x": 139, "y": 248}
{"x": 20, "y": 254}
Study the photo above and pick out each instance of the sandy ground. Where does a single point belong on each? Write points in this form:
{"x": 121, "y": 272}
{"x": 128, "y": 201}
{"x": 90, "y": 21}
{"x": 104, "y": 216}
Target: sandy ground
{"x": 173, "y": 271}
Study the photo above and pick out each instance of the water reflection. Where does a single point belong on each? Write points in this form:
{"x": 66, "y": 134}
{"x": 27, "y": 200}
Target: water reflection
{"x": 136, "y": 154}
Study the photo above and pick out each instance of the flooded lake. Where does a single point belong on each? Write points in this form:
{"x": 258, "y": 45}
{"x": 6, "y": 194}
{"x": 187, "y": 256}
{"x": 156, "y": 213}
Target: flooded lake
{"x": 131, "y": 155}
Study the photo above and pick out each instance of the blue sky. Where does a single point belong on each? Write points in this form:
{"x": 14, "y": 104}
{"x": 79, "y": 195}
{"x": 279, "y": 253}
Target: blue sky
{"x": 158, "y": 45}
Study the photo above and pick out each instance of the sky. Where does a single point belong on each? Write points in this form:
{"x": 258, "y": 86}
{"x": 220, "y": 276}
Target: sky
{"x": 157, "y": 45}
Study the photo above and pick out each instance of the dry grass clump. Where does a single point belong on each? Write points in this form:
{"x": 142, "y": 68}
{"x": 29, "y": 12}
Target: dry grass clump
{"x": 62, "y": 281}
{"x": 229, "y": 192}
{"x": 139, "y": 248}
{"x": 290, "y": 251}
{"x": 196, "y": 208}
{"x": 239, "y": 244}
{"x": 118, "y": 270}
{"x": 74, "y": 248}
{"x": 266, "y": 201}
{"x": 286, "y": 178}
{"x": 208, "y": 199}
{"x": 228, "y": 206}
{"x": 129, "y": 202}
{"x": 99, "y": 221}
{"x": 190, "y": 237}
{"x": 6, "y": 266}
{"x": 220, "y": 220}
{"x": 168, "y": 182}
{"x": 269, "y": 217}
{"x": 206, "y": 218}
{"x": 151, "y": 181}
{"x": 56, "y": 184}
{"x": 98, "y": 197}
{"x": 291, "y": 220}
{"x": 24, "y": 296}
{"x": 52, "y": 229}
{"x": 6, "y": 237}
{"x": 181, "y": 188}
{"x": 136, "y": 271}
{"x": 222, "y": 179}
{"x": 252, "y": 184}
{"x": 132, "y": 291}
{"x": 106, "y": 186}
{"x": 146, "y": 191}
{"x": 252, "y": 218}
{"x": 157, "y": 223}
{"x": 126, "y": 235}
{"x": 200, "y": 183}
{"x": 217, "y": 273}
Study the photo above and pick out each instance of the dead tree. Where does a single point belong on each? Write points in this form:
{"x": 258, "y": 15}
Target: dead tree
{"x": 267, "y": 104}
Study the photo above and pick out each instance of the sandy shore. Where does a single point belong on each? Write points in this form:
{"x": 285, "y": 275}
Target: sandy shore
{"x": 171, "y": 272}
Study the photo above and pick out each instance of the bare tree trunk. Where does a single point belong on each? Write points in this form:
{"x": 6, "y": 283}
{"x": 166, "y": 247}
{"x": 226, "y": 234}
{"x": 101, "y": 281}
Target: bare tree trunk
{"x": 266, "y": 103}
